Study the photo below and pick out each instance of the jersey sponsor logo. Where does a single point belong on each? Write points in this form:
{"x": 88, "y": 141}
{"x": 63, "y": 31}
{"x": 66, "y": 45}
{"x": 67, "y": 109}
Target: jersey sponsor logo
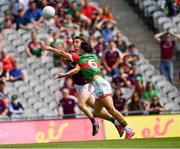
{"x": 92, "y": 63}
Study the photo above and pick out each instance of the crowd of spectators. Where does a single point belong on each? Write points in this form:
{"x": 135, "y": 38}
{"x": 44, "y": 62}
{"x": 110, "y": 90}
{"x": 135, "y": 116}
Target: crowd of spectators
{"x": 98, "y": 26}
{"x": 171, "y": 7}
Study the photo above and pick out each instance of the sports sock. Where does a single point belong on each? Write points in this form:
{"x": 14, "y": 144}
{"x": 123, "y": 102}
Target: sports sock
{"x": 123, "y": 123}
{"x": 112, "y": 119}
{"x": 92, "y": 120}
{"x": 116, "y": 123}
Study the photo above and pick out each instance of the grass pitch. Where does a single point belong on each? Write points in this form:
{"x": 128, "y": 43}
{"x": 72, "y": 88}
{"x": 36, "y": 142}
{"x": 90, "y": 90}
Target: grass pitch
{"x": 136, "y": 143}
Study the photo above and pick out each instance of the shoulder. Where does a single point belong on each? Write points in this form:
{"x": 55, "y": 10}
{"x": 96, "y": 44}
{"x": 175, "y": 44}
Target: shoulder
{"x": 75, "y": 57}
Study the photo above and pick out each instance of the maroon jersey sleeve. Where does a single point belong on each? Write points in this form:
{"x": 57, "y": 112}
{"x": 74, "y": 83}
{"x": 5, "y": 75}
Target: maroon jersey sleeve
{"x": 75, "y": 57}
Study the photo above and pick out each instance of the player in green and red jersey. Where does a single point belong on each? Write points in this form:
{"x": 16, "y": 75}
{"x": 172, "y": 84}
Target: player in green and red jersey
{"x": 89, "y": 65}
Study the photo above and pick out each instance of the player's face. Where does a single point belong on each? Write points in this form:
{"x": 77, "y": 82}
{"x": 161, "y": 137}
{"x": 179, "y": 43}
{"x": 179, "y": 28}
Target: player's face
{"x": 76, "y": 44}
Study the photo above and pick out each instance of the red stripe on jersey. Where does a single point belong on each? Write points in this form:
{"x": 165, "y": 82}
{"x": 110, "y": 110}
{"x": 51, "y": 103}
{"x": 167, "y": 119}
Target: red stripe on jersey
{"x": 86, "y": 65}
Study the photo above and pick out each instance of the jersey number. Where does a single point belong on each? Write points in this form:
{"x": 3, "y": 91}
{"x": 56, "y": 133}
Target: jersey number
{"x": 92, "y": 63}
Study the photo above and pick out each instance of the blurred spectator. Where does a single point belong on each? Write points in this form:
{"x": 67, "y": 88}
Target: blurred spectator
{"x": 133, "y": 54}
{"x": 73, "y": 7}
{"x": 139, "y": 86}
{"x": 57, "y": 43}
{"x": 3, "y": 95}
{"x": 3, "y": 108}
{"x": 71, "y": 27}
{"x": 119, "y": 100}
{"x": 179, "y": 76}
{"x": 133, "y": 74}
{"x": 121, "y": 79}
{"x": 33, "y": 15}
{"x": 16, "y": 73}
{"x": 121, "y": 44}
{"x": 126, "y": 63}
{"x": 136, "y": 105}
{"x": 112, "y": 58}
{"x": 15, "y": 5}
{"x": 68, "y": 104}
{"x": 15, "y": 107}
{"x": 155, "y": 106}
{"x": 8, "y": 20}
{"x": 149, "y": 92}
{"x": 99, "y": 50}
{"x": 68, "y": 83}
{"x": 34, "y": 47}
{"x": 167, "y": 45}
{"x": 172, "y": 8}
{"x": 106, "y": 13}
{"x": 106, "y": 29}
{"x": 21, "y": 20}
{"x": 7, "y": 61}
{"x": 87, "y": 11}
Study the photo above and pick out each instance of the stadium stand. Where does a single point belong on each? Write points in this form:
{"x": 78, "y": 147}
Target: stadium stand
{"x": 37, "y": 92}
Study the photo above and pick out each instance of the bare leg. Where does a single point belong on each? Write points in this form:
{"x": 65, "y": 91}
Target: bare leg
{"x": 100, "y": 112}
{"x": 82, "y": 98}
{"x": 107, "y": 102}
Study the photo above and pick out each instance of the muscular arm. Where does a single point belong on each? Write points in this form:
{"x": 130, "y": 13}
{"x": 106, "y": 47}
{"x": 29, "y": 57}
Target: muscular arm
{"x": 59, "y": 52}
{"x": 69, "y": 73}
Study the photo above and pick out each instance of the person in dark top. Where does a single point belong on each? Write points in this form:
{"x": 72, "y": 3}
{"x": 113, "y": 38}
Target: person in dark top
{"x": 3, "y": 108}
{"x": 68, "y": 104}
{"x": 21, "y": 20}
{"x": 112, "y": 58}
{"x": 167, "y": 45}
{"x": 119, "y": 101}
{"x": 155, "y": 106}
{"x": 136, "y": 105}
{"x": 172, "y": 8}
{"x": 15, "y": 107}
{"x": 34, "y": 14}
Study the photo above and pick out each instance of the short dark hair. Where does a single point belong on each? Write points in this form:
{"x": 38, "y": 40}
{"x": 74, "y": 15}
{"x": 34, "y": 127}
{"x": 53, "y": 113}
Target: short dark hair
{"x": 86, "y": 47}
{"x": 131, "y": 46}
{"x": 2, "y": 82}
{"x": 78, "y": 37}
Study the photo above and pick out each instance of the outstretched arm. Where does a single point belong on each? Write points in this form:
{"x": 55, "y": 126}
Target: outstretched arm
{"x": 59, "y": 52}
{"x": 69, "y": 73}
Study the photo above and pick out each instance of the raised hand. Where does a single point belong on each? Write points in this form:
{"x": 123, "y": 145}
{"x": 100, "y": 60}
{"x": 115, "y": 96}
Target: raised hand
{"x": 59, "y": 75}
{"x": 46, "y": 47}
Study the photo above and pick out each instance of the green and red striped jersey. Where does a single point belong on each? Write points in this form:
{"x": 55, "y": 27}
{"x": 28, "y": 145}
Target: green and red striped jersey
{"x": 89, "y": 64}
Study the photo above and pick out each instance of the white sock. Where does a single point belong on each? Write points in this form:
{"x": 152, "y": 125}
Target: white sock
{"x": 116, "y": 123}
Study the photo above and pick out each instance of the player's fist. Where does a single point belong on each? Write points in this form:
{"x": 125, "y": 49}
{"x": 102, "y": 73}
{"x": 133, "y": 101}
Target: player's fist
{"x": 59, "y": 75}
{"x": 45, "y": 47}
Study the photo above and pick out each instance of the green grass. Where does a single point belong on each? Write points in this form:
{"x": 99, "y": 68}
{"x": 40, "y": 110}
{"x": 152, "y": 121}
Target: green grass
{"x": 136, "y": 143}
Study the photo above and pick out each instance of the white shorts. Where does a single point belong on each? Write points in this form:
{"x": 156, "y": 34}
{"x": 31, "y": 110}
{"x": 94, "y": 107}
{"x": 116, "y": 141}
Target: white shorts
{"x": 102, "y": 88}
{"x": 84, "y": 88}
